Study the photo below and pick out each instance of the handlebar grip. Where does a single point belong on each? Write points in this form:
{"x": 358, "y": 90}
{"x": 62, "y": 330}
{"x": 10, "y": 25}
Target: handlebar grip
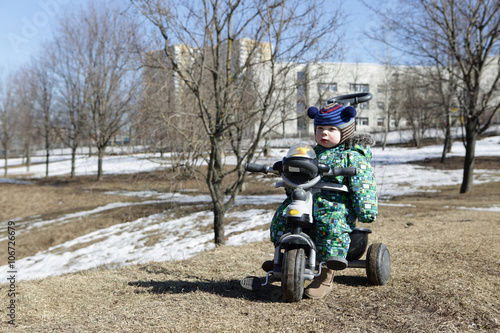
{"x": 347, "y": 172}
{"x": 254, "y": 167}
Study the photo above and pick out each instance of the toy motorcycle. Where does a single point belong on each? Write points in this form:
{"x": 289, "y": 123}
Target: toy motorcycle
{"x": 295, "y": 252}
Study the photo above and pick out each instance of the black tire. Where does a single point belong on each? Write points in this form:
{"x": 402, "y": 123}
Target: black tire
{"x": 378, "y": 264}
{"x": 292, "y": 274}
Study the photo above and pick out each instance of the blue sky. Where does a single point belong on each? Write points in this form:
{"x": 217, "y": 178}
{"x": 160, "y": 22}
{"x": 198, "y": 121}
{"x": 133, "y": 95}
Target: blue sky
{"x": 25, "y": 24}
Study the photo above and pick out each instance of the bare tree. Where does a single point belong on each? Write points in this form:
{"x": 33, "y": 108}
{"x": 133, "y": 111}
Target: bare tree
{"x": 388, "y": 90}
{"x": 239, "y": 62}
{"x": 8, "y": 119}
{"x": 25, "y": 108}
{"x": 469, "y": 32}
{"x": 392, "y": 101}
{"x": 167, "y": 128}
{"x": 445, "y": 90}
{"x": 112, "y": 75}
{"x": 43, "y": 86}
{"x": 100, "y": 73}
{"x": 71, "y": 90}
{"x": 418, "y": 105}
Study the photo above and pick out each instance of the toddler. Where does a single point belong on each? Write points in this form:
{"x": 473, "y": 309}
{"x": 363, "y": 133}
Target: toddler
{"x": 335, "y": 213}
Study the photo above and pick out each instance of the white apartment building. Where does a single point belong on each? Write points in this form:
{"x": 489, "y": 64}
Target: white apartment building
{"x": 319, "y": 82}
{"x": 314, "y": 84}
{"x": 305, "y": 85}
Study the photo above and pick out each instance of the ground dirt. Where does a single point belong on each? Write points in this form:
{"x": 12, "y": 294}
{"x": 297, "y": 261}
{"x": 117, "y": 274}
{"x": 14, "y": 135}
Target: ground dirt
{"x": 445, "y": 268}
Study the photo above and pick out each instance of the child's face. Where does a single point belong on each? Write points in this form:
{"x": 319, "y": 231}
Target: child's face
{"x": 327, "y": 136}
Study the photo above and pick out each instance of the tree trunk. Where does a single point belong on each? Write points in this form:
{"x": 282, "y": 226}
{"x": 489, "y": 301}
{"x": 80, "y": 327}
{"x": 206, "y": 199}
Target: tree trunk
{"x": 386, "y": 132}
{"x": 100, "y": 153}
{"x": 447, "y": 138}
{"x": 6, "y": 160}
{"x": 219, "y": 213}
{"x": 28, "y": 158}
{"x": 470, "y": 152}
{"x": 73, "y": 161}
{"x": 446, "y": 147}
{"x": 214, "y": 182}
{"x": 416, "y": 137}
{"x": 47, "y": 155}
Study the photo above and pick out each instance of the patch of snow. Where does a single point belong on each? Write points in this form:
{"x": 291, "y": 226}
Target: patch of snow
{"x": 127, "y": 243}
{"x": 483, "y": 209}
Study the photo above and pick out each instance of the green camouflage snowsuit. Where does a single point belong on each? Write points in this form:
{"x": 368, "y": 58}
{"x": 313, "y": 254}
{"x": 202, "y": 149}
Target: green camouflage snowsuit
{"x": 336, "y": 212}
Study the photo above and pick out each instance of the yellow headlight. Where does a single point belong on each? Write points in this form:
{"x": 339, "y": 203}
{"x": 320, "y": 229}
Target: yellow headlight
{"x": 293, "y": 212}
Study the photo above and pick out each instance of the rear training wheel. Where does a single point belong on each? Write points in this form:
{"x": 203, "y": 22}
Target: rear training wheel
{"x": 378, "y": 264}
{"x": 292, "y": 276}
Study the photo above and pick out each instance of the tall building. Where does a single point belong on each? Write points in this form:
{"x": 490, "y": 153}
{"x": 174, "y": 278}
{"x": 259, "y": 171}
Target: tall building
{"x": 306, "y": 85}
{"x": 319, "y": 82}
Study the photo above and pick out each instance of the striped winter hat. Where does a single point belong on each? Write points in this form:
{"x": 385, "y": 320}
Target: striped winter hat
{"x": 335, "y": 114}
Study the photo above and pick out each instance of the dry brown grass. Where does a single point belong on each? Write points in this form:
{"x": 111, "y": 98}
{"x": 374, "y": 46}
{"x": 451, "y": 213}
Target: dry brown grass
{"x": 445, "y": 277}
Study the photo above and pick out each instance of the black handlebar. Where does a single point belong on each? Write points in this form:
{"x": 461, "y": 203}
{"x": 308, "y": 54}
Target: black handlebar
{"x": 347, "y": 172}
{"x": 253, "y": 167}
{"x": 322, "y": 168}
{"x": 351, "y": 99}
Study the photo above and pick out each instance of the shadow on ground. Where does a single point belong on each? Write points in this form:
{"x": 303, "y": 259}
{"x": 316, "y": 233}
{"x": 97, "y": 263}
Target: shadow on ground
{"x": 228, "y": 288}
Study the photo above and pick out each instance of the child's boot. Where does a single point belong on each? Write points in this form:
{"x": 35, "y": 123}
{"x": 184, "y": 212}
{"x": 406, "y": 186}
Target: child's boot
{"x": 321, "y": 284}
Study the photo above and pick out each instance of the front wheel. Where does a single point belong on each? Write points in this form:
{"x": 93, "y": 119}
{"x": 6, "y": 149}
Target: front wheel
{"x": 292, "y": 276}
{"x": 378, "y": 264}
